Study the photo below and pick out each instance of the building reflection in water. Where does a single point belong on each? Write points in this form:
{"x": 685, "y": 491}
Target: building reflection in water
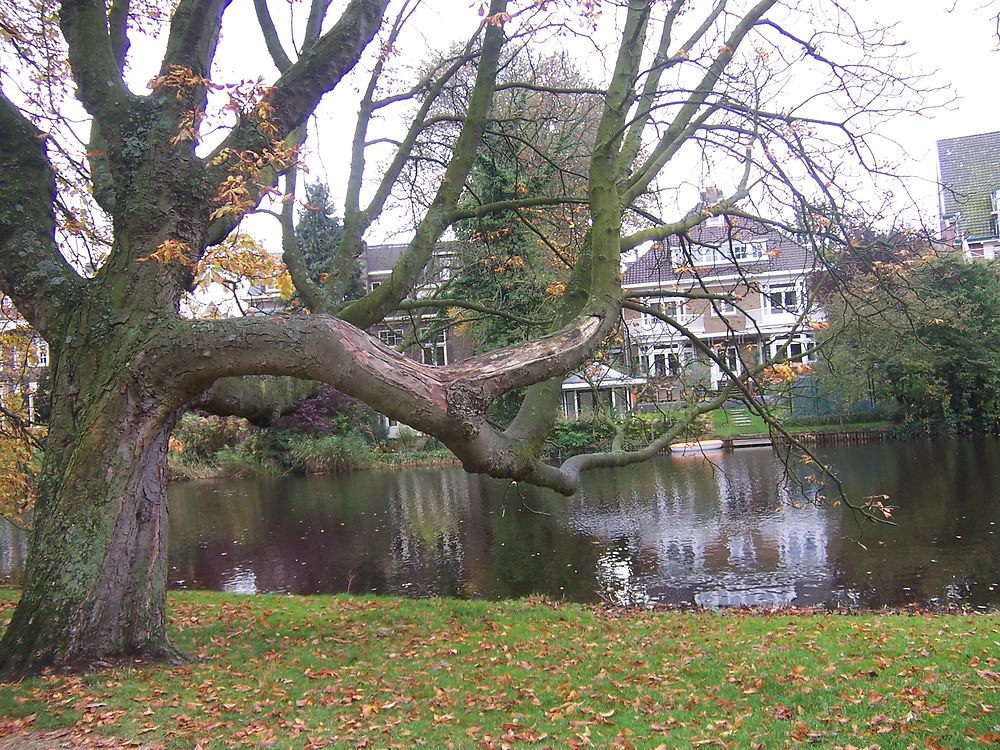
{"x": 675, "y": 530}
{"x": 718, "y": 533}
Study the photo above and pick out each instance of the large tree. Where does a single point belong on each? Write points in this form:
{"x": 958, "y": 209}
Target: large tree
{"x": 901, "y": 336}
{"x": 99, "y": 244}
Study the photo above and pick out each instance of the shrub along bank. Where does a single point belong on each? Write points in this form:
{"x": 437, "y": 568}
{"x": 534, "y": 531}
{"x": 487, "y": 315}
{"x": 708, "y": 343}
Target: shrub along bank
{"x": 311, "y": 672}
{"x": 333, "y": 433}
{"x": 329, "y": 433}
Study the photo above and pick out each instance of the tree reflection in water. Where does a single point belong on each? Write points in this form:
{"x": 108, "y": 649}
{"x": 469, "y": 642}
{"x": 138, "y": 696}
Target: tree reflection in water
{"x": 676, "y": 530}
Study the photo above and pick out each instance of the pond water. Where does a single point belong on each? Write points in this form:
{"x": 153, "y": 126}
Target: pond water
{"x": 677, "y": 530}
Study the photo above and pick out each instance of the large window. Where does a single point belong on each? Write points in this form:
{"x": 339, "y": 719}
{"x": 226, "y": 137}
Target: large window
{"x": 703, "y": 256}
{"x": 749, "y": 251}
{"x": 783, "y": 298}
{"x": 673, "y": 308}
{"x": 730, "y": 356}
{"x": 433, "y": 350}
{"x": 726, "y": 252}
{"x": 722, "y": 306}
{"x": 664, "y": 363}
{"x": 799, "y": 349}
{"x": 391, "y": 337}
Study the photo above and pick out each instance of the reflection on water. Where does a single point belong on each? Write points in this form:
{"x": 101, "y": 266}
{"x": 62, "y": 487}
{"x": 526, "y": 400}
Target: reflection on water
{"x": 675, "y": 530}
{"x": 713, "y": 534}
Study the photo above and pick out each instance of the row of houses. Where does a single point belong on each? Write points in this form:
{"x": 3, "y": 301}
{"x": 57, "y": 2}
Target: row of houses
{"x": 752, "y": 281}
{"x": 760, "y": 273}
{"x": 751, "y": 286}
{"x": 740, "y": 288}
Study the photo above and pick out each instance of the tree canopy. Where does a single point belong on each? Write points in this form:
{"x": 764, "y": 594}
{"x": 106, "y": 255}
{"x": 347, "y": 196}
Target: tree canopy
{"x": 904, "y": 337}
{"x": 102, "y": 235}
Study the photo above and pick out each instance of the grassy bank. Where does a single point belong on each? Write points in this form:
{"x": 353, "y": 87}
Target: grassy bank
{"x": 726, "y": 424}
{"x": 293, "y": 672}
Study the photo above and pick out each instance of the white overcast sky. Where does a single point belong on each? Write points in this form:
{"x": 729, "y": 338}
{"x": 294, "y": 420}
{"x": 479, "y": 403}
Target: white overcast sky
{"x": 960, "y": 44}
{"x": 953, "y": 40}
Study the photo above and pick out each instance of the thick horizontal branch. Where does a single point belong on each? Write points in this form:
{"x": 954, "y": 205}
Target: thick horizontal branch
{"x": 260, "y": 400}
{"x": 448, "y": 402}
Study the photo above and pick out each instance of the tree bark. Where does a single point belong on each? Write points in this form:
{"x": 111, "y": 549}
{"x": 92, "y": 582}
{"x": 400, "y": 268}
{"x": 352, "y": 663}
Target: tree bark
{"x": 95, "y": 584}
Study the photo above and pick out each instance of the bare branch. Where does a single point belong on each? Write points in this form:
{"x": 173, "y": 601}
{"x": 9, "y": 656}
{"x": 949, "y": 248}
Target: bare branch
{"x": 406, "y": 272}
{"x": 32, "y": 272}
{"x": 281, "y": 60}
{"x": 194, "y": 34}
{"x": 94, "y": 62}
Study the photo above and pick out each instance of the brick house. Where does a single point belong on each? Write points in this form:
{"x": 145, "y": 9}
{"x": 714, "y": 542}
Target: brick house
{"x": 763, "y": 273}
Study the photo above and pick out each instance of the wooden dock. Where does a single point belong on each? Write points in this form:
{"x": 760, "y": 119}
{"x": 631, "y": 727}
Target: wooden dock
{"x": 825, "y": 437}
{"x": 752, "y": 441}
{"x": 844, "y": 437}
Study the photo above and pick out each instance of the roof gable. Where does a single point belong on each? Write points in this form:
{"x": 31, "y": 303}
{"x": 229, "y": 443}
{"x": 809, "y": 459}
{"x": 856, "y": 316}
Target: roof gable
{"x": 970, "y": 172}
{"x": 669, "y": 262}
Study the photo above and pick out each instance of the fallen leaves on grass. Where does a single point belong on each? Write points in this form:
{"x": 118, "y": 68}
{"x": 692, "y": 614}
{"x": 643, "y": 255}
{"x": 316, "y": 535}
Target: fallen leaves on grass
{"x": 360, "y": 672}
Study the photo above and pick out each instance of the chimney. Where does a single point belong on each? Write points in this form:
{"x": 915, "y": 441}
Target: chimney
{"x": 711, "y": 195}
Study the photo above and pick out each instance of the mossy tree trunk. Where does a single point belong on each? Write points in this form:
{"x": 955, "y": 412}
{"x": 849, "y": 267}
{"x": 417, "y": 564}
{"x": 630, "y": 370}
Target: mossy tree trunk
{"x": 95, "y": 583}
{"x": 126, "y": 361}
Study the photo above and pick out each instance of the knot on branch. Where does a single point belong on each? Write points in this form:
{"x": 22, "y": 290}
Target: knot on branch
{"x": 468, "y": 404}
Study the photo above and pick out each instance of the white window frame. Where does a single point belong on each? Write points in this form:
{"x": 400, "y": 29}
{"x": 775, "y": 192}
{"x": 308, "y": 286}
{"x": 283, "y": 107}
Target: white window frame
{"x": 783, "y": 288}
{"x": 434, "y": 351}
{"x": 673, "y": 307}
{"x": 800, "y": 341}
{"x": 721, "y": 308}
{"x": 674, "y": 358}
{"x": 704, "y": 255}
{"x": 41, "y": 353}
{"x": 730, "y": 356}
{"x": 751, "y": 251}
{"x": 391, "y": 337}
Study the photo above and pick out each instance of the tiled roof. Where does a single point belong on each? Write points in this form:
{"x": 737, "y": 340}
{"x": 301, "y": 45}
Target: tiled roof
{"x": 658, "y": 264}
{"x": 970, "y": 172}
{"x": 385, "y": 257}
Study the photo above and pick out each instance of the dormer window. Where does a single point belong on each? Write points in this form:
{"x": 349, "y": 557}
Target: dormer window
{"x": 749, "y": 251}
{"x": 703, "y": 256}
{"x": 734, "y": 252}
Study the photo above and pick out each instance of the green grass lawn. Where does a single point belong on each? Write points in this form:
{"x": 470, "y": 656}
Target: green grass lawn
{"x": 294, "y": 672}
{"x": 725, "y": 426}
